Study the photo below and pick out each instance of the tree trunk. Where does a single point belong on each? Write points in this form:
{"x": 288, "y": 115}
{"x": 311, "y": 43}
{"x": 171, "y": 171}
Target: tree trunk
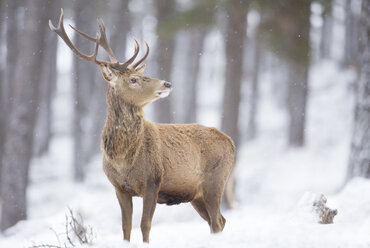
{"x": 326, "y": 36}
{"x": 2, "y": 84}
{"x": 12, "y": 47}
{"x": 297, "y": 98}
{"x": 164, "y": 55}
{"x": 120, "y": 27}
{"x": 12, "y": 44}
{"x": 192, "y": 69}
{"x": 253, "y": 100}
{"x": 84, "y": 79}
{"x": 359, "y": 163}
{"x": 235, "y": 35}
{"x": 19, "y": 137}
{"x": 351, "y": 54}
{"x": 299, "y": 39}
{"x": 48, "y": 83}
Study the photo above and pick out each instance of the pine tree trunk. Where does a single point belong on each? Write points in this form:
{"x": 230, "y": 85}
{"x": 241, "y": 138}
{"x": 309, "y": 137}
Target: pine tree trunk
{"x": 164, "y": 54}
{"x": 2, "y": 84}
{"x": 12, "y": 47}
{"x": 84, "y": 79}
{"x": 299, "y": 61}
{"x": 359, "y": 164}
{"x": 326, "y": 36}
{"x": 297, "y": 98}
{"x": 12, "y": 44}
{"x": 351, "y": 33}
{"x": 235, "y": 35}
{"x": 48, "y": 82}
{"x": 22, "y": 118}
{"x": 253, "y": 100}
{"x": 120, "y": 27}
{"x": 192, "y": 69}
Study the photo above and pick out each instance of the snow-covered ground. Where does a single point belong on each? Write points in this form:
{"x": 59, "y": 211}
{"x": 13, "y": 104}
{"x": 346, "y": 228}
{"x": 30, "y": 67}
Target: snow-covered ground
{"x": 271, "y": 179}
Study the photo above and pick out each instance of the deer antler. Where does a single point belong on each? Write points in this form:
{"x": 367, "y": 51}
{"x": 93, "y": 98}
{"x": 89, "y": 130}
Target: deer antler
{"x": 143, "y": 58}
{"x": 103, "y": 42}
{"x": 62, "y": 34}
{"x": 99, "y": 40}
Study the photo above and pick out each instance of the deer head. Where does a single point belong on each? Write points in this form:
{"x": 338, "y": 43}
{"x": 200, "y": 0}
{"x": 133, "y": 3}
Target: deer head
{"x": 126, "y": 79}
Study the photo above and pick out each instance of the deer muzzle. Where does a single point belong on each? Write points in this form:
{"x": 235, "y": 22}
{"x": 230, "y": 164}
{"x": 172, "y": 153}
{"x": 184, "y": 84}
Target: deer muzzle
{"x": 165, "y": 91}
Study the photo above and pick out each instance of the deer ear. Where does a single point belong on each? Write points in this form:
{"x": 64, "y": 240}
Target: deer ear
{"x": 141, "y": 69}
{"x": 108, "y": 74}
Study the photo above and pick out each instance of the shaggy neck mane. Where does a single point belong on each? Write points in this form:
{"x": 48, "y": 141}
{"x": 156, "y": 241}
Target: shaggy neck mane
{"x": 123, "y": 127}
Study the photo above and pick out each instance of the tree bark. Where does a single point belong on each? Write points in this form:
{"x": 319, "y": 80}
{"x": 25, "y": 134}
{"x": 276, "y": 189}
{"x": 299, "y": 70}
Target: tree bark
{"x": 297, "y": 99}
{"x": 12, "y": 47}
{"x": 359, "y": 163}
{"x": 48, "y": 84}
{"x": 192, "y": 69}
{"x": 12, "y": 44}
{"x": 164, "y": 55}
{"x": 84, "y": 79}
{"x": 254, "y": 96}
{"x": 19, "y": 137}
{"x": 235, "y": 35}
{"x": 120, "y": 27}
{"x": 2, "y": 84}
{"x": 298, "y": 60}
{"x": 326, "y": 36}
{"x": 351, "y": 33}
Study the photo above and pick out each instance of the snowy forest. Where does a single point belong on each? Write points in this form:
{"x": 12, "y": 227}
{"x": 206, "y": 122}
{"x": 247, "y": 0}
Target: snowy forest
{"x": 287, "y": 80}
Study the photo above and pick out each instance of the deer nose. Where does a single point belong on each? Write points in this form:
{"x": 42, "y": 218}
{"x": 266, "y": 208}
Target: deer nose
{"x": 167, "y": 84}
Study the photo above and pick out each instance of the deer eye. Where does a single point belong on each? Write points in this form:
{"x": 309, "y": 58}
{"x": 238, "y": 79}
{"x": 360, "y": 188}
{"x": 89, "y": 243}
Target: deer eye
{"x": 133, "y": 80}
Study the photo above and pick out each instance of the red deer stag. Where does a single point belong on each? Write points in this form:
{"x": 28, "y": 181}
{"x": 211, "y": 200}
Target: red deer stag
{"x": 162, "y": 163}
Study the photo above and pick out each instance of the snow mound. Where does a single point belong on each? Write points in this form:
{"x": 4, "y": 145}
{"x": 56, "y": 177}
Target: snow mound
{"x": 353, "y": 202}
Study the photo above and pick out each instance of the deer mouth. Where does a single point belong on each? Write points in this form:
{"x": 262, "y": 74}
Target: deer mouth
{"x": 163, "y": 93}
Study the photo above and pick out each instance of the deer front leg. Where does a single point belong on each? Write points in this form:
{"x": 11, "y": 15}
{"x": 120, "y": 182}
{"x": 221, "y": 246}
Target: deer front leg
{"x": 149, "y": 204}
{"x": 125, "y": 202}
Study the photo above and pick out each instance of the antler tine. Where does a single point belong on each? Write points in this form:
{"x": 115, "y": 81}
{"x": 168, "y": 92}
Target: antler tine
{"x": 62, "y": 34}
{"x": 95, "y": 54}
{"x": 83, "y": 34}
{"x": 137, "y": 49}
{"x": 143, "y": 58}
{"x": 103, "y": 41}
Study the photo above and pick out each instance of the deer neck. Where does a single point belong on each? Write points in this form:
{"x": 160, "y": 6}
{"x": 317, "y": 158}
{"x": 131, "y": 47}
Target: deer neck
{"x": 123, "y": 128}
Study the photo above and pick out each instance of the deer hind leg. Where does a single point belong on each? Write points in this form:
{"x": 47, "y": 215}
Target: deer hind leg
{"x": 213, "y": 188}
{"x": 200, "y": 206}
{"x": 212, "y": 203}
{"x": 125, "y": 202}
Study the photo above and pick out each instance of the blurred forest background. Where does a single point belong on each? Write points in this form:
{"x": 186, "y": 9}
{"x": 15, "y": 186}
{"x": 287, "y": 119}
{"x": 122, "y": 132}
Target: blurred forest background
{"x": 241, "y": 40}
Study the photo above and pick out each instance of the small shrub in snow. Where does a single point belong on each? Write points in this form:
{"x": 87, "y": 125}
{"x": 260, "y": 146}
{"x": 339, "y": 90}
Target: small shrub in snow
{"x": 325, "y": 214}
{"x": 75, "y": 233}
{"x": 316, "y": 203}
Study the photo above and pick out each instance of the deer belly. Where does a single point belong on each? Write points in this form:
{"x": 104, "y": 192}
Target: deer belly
{"x": 172, "y": 198}
{"x": 176, "y": 190}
